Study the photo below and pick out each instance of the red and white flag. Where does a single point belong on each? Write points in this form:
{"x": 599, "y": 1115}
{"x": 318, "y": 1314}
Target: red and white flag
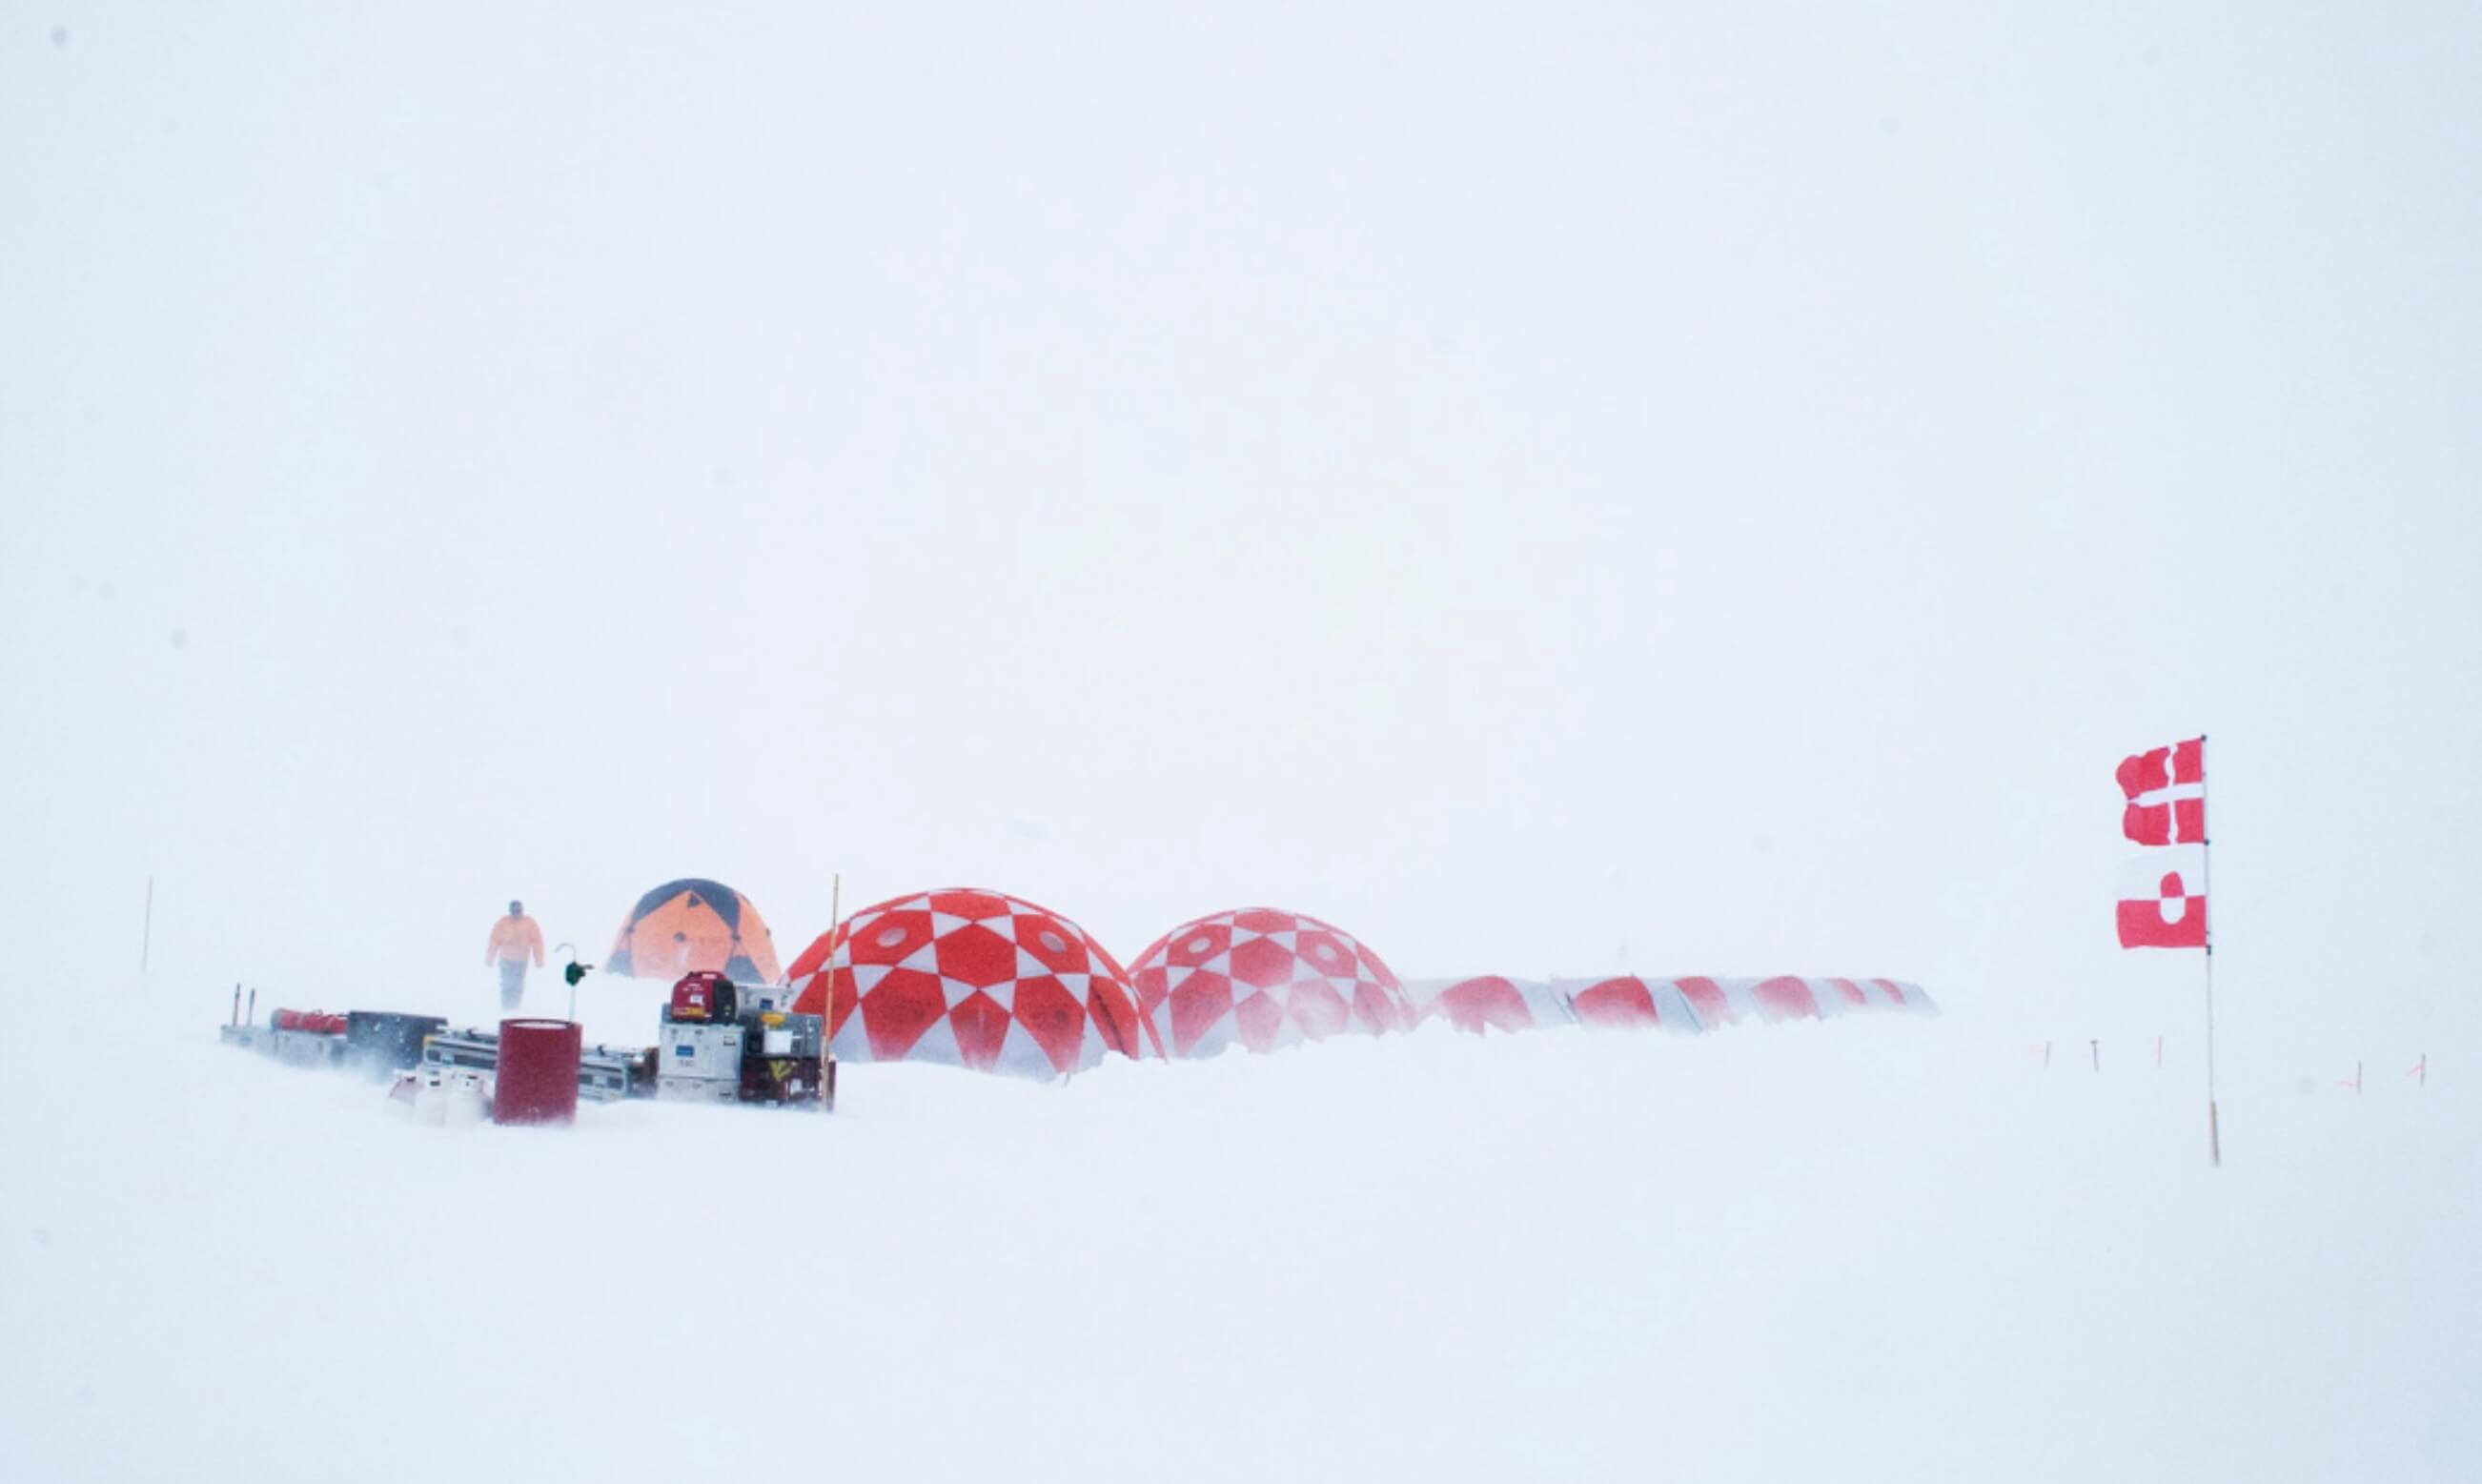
{"x": 2163, "y": 900}
{"x": 2166, "y": 790}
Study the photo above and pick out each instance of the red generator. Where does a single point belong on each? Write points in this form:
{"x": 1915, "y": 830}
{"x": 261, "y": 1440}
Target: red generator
{"x": 704, "y": 996}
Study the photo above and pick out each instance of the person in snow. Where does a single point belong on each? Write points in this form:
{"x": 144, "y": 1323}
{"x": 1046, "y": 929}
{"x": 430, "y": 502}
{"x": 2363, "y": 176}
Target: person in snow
{"x": 513, "y": 937}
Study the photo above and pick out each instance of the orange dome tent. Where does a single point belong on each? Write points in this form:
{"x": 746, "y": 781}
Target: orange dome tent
{"x": 691, "y": 925}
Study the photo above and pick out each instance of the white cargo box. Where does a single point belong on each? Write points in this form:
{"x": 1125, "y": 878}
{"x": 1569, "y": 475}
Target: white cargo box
{"x": 796, "y": 1035}
{"x": 673, "y": 1089}
{"x": 762, "y": 998}
{"x": 695, "y": 1051}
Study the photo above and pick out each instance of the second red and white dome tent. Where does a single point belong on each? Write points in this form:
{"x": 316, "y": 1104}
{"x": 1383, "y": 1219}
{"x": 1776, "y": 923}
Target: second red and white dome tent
{"x": 1263, "y": 979}
{"x": 970, "y": 978}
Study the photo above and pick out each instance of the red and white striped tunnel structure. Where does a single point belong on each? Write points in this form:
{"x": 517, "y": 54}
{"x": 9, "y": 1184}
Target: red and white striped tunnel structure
{"x": 1632, "y": 1001}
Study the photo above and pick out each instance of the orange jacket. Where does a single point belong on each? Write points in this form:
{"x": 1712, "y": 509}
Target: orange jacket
{"x": 513, "y": 937}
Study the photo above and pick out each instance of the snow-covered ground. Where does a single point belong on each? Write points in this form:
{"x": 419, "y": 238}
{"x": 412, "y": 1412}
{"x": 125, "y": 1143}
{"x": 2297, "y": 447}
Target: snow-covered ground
{"x": 1554, "y": 490}
{"x": 1872, "y": 1249}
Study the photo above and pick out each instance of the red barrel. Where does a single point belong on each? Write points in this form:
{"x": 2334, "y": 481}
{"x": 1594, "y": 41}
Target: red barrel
{"x": 537, "y": 1079}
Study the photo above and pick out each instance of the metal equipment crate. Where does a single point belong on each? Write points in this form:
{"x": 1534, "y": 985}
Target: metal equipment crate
{"x": 691, "y": 1049}
{"x": 605, "y": 1073}
{"x": 383, "y": 1040}
{"x": 673, "y": 1089}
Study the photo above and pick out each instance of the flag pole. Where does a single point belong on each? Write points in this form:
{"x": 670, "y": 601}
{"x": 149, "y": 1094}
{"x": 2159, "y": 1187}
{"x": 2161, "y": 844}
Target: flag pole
{"x": 2206, "y": 888}
{"x": 827, "y": 1000}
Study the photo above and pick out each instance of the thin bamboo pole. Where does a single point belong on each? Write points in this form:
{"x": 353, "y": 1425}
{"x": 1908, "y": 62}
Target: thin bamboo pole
{"x": 2206, "y": 889}
{"x": 828, "y": 999}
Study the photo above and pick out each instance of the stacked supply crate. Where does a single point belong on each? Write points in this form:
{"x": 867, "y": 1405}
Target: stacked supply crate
{"x": 728, "y": 1042}
{"x": 383, "y": 1043}
{"x": 700, "y": 1059}
{"x": 308, "y": 1038}
{"x": 700, "y": 1063}
{"x": 783, "y": 1061}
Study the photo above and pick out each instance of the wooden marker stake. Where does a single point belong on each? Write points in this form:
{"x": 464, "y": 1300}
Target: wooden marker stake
{"x": 828, "y": 999}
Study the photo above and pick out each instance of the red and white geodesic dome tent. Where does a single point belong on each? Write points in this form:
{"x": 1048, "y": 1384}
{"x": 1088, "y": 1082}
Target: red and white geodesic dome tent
{"x": 970, "y": 978}
{"x": 1261, "y": 978}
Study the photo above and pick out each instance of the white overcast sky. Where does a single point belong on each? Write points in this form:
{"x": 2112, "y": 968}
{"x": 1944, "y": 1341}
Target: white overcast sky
{"x": 1703, "y": 488}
